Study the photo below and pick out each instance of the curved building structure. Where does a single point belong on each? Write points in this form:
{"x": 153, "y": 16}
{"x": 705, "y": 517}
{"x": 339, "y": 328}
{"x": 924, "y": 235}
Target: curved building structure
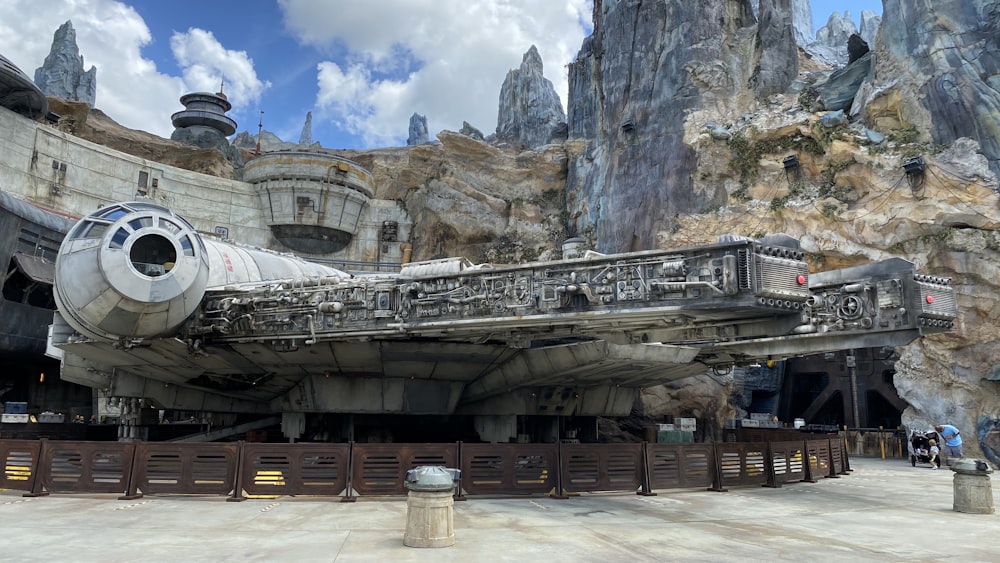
{"x": 312, "y": 201}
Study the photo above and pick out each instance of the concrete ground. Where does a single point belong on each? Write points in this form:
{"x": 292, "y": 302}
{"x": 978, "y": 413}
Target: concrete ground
{"x": 884, "y": 511}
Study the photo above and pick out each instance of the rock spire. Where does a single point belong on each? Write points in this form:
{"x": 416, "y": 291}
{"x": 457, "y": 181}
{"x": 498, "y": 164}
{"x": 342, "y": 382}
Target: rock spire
{"x": 418, "y": 130}
{"x": 62, "y": 74}
{"x": 530, "y": 113}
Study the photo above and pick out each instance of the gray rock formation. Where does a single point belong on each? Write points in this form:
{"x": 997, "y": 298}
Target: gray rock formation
{"x": 306, "y": 138}
{"x": 831, "y": 39}
{"x": 869, "y": 27}
{"x": 802, "y": 22}
{"x": 839, "y": 91}
{"x": 779, "y": 55}
{"x": 837, "y": 30}
{"x": 936, "y": 72}
{"x": 469, "y": 131}
{"x": 62, "y": 74}
{"x": 271, "y": 142}
{"x": 635, "y": 79}
{"x": 418, "y": 130}
{"x": 530, "y": 113}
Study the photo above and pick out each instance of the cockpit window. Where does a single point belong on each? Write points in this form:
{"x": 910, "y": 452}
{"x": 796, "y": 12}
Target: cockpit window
{"x": 141, "y": 222}
{"x": 112, "y": 213}
{"x": 169, "y": 225}
{"x": 89, "y": 229}
{"x": 186, "y": 246}
{"x": 118, "y": 240}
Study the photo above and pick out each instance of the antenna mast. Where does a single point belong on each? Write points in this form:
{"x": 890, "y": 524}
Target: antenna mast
{"x": 260, "y": 127}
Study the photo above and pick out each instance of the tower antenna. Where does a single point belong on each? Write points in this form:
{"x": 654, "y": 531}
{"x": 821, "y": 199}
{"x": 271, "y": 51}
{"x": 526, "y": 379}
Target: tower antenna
{"x": 260, "y": 127}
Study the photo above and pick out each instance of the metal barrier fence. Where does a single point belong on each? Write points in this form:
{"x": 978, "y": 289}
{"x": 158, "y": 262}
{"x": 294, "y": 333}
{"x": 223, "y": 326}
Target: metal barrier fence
{"x": 876, "y": 442}
{"x": 241, "y": 470}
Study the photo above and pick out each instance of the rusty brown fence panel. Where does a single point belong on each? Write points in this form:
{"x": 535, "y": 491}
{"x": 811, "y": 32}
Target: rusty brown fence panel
{"x": 601, "y": 467}
{"x": 837, "y": 455}
{"x": 819, "y": 458}
{"x": 379, "y": 469}
{"x": 184, "y": 468}
{"x": 294, "y": 469}
{"x": 20, "y": 463}
{"x": 510, "y": 469}
{"x": 680, "y": 466}
{"x": 85, "y": 467}
{"x": 787, "y": 461}
{"x": 741, "y": 464}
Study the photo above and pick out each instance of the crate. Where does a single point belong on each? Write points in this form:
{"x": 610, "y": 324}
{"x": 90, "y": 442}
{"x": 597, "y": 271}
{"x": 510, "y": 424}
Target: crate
{"x": 8, "y": 418}
{"x": 686, "y": 424}
{"x": 749, "y": 423}
{"x": 51, "y": 418}
{"x": 11, "y": 407}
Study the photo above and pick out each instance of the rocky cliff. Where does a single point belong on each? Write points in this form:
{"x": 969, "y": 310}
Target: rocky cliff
{"x": 644, "y": 109}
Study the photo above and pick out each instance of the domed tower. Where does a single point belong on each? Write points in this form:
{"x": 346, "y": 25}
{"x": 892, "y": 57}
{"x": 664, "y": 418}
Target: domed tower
{"x": 203, "y": 112}
{"x": 204, "y": 124}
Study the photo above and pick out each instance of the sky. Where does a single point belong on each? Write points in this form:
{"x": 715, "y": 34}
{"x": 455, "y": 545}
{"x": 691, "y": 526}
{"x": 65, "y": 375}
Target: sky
{"x": 361, "y": 67}
{"x": 821, "y": 10}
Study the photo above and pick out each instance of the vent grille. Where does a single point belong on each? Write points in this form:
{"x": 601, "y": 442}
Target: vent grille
{"x": 778, "y": 278}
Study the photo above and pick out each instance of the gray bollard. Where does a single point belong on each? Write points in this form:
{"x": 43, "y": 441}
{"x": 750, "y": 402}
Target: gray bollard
{"x": 973, "y": 491}
{"x": 430, "y": 507}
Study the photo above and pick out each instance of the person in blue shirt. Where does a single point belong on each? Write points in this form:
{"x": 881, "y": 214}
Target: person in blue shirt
{"x": 952, "y": 441}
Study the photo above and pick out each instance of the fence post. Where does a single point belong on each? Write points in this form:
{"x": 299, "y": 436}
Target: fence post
{"x": 829, "y": 454}
{"x": 559, "y": 492}
{"x": 807, "y": 477}
{"x": 772, "y": 479}
{"x": 238, "y": 478}
{"x": 646, "y": 488}
{"x": 131, "y": 487}
{"x": 458, "y": 462}
{"x": 36, "y": 478}
{"x": 717, "y": 470}
{"x": 349, "y": 497}
{"x": 847, "y": 457}
{"x": 881, "y": 440}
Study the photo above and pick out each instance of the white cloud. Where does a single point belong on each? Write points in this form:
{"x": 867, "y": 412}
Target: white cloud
{"x": 110, "y": 36}
{"x": 206, "y": 63}
{"x": 447, "y": 58}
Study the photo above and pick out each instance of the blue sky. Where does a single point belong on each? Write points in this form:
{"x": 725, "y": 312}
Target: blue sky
{"x": 361, "y": 67}
{"x": 821, "y": 10}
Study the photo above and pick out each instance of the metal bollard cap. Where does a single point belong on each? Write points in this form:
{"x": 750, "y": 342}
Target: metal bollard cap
{"x": 431, "y": 478}
{"x": 969, "y": 466}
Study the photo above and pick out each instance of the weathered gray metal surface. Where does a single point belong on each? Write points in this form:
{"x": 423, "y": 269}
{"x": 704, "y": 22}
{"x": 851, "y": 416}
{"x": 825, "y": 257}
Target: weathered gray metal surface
{"x": 19, "y": 93}
{"x": 29, "y": 240}
{"x": 577, "y": 336}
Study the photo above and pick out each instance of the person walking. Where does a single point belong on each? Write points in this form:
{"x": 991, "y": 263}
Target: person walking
{"x": 952, "y": 441}
{"x": 932, "y": 454}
